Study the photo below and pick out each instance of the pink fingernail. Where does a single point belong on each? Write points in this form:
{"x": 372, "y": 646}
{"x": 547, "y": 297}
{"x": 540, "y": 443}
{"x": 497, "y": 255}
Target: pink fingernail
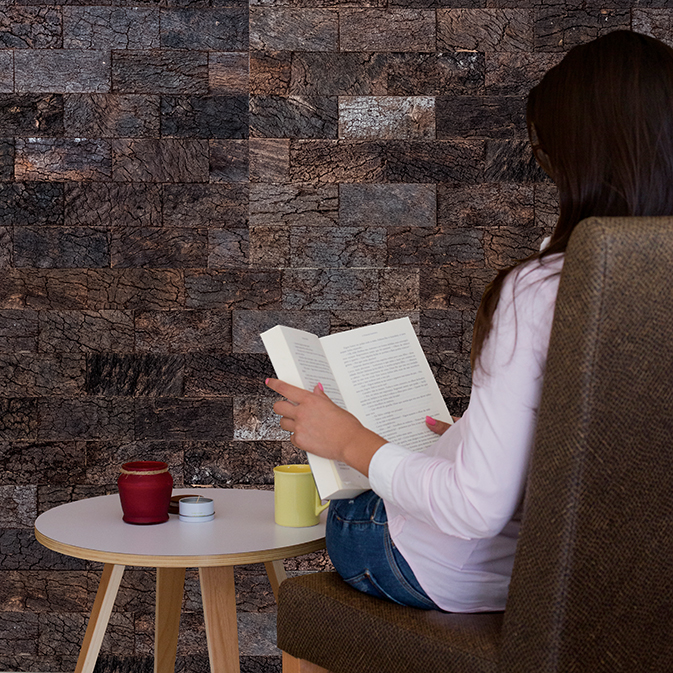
{"x": 321, "y": 388}
{"x": 430, "y": 421}
{"x": 267, "y": 382}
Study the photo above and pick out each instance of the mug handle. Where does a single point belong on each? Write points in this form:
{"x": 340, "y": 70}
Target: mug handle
{"x": 318, "y": 507}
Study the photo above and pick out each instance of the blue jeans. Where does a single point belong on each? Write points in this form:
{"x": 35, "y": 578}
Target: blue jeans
{"x": 362, "y": 552}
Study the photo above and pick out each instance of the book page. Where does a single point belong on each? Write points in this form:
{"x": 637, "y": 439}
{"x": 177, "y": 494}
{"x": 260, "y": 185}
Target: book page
{"x": 299, "y": 359}
{"x": 384, "y": 374}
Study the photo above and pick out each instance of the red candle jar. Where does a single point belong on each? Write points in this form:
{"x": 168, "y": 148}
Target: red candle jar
{"x": 145, "y": 488}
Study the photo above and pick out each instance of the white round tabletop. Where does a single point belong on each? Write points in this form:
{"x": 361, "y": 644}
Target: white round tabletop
{"x": 243, "y": 531}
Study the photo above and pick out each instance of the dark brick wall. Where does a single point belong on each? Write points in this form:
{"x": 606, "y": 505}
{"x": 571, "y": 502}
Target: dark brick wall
{"x": 176, "y": 177}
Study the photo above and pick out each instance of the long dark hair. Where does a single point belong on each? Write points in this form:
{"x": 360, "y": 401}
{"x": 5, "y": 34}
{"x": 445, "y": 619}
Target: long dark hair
{"x": 601, "y": 124}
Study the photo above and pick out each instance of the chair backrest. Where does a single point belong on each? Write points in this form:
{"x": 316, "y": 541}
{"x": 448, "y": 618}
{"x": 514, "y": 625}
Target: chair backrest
{"x": 592, "y": 587}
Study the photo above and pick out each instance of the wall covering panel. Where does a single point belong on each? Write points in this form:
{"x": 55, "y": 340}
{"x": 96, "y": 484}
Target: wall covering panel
{"x": 177, "y": 176}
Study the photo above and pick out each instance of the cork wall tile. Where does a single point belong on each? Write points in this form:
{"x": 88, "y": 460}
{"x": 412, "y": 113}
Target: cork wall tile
{"x": 30, "y": 28}
{"x": 159, "y": 248}
{"x": 248, "y": 325}
{"x": 485, "y": 30}
{"x": 293, "y": 117}
{"x": 228, "y": 72}
{"x": 656, "y": 22}
{"x": 53, "y": 159}
{"x": 204, "y": 205}
{"x": 217, "y": 29}
{"x": 269, "y": 160}
{"x": 6, "y": 71}
{"x": 18, "y": 331}
{"x": 280, "y": 28}
{"x": 31, "y": 114}
{"x": 297, "y": 204}
{"x": 61, "y": 247}
{"x": 32, "y": 203}
{"x": 85, "y": 331}
{"x": 387, "y": 30}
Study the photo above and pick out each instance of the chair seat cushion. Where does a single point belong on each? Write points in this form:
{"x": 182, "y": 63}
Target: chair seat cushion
{"x": 325, "y": 621}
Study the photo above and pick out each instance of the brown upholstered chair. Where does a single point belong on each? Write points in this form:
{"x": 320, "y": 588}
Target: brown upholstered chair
{"x": 592, "y": 588}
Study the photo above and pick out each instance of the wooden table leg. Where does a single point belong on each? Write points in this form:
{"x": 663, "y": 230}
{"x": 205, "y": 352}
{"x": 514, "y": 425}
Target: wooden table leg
{"x": 219, "y": 609}
{"x": 170, "y": 589}
{"x": 100, "y": 616}
{"x": 276, "y": 572}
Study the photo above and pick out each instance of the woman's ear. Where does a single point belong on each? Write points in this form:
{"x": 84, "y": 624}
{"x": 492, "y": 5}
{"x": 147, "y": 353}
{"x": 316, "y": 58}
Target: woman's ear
{"x": 540, "y": 155}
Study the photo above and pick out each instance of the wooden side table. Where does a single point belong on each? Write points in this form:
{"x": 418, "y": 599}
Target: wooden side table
{"x": 243, "y": 531}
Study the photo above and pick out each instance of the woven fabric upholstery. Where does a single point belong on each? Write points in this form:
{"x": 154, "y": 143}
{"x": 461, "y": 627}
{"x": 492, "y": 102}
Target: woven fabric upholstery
{"x": 592, "y": 587}
{"x": 323, "y": 620}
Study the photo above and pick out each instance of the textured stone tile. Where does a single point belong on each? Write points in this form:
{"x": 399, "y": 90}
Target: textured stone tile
{"x": 398, "y": 289}
{"x": 512, "y": 73}
{"x": 62, "y": 159}
{"x": 255, "y": 420}
{"x": 19, "y": 550}
{"x": 159, "y": 248}
{"x": 40, "y": 592}
{"x": 19, "y": 506}
{"x": 220, "y": 29}
{"x": 116, "y": 375}
{"x": 6, "y": 248}
{"x": 196, "y": 205}
{"x": 335, "y": 247}
{"x": 165, "y": 160}
{"x": 248, "y": 325}
{"x": 435, "y": 74}
{"x": 371, "y": 117}
{"x": 511, "y": 161}
{"x": 270, "y": 247}
{"x": 228, "y": 73}
{"x": 293, "y": 117}
{"x": 110, "y": 28}
{"x": 6, "y": 158}
{"x": 183, "y": 331}
{"x": 225, "y": 464}
{"x": 18, "y": 634}
{"x": 100, "y": 418}
{"x": 30, "y": 28}
{"x": 104, "y": 460}
{"x": 6, "y": 71}
{"x": 278, "y": 29}
{"x": 228, "y": 248}
{"x": 30, "y": 114}
{"x": 387, "y": 205}
{"x": 341, "y": 321}
{"x": 135, "y": 289}
{"x": 504, "y": 245}
{"x": 229, "y": 160}
{"x": 86, "y": 331}
{"x": 326, "y": 289}
{"x": 38, "y": 375}
{"x": 336, "y": 161}
{"x": 18, "y": 418}
{"x": 204, "y": 117}
{"x": 269, "y": 159}
{"x": 386, "y": 30}
{"x": 441, "y": 330}
{"x": 49, "y": 497}
{"x": 62, "y": 71}
{"x": 481, "y": 116}
{"x": 271, "y": 72}
{"x": 439, "y": 161}
{"x": 338, "y": 74}
{"x": 61, "y": 247}
{"x": 112, "y": 204}
{"x": 160, "y": 72}
{"x": 654, "y": 22}
{"x": 111, "y": 115}
{"x": 230, "y": 289}
{"x": 559, "y": 28}
{"x": 294, "y": 204}
{"x": 18, "y": 331}
{"x": 454, "y": 287}
{"x": 485, "y": 30}
{"x": 31, "y": 203}
{"x": 452, "y": 373}
{"x": 546, "y": 206}
{"x": 487, "y": 205}
{"x": 226, "y": 375}
{"x": 413, "y": 246}
{"x": 183, "y": 419}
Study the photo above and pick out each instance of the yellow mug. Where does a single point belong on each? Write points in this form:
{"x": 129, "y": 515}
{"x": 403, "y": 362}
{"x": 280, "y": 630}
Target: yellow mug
{"x": 296, "y": 499}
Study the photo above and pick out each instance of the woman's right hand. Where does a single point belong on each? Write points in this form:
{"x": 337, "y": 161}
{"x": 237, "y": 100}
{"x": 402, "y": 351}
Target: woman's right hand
{"x": 439, "y": 427}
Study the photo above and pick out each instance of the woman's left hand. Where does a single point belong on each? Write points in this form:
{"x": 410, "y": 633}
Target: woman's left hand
{"x": 323, "y": 428}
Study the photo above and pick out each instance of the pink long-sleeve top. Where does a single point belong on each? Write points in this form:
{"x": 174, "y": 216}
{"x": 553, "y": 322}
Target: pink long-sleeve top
{"x": 452, "y": 509}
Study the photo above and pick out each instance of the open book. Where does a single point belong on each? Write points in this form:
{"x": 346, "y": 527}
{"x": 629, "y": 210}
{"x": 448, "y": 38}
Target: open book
{"x": 378, "y": 373}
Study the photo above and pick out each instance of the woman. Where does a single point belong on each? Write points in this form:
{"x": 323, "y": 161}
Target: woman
{"x": 439, "y": 529}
